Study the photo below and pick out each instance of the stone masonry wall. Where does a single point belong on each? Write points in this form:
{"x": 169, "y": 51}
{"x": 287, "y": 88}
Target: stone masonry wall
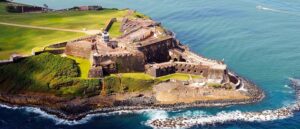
{"x": 79, "y": 49}
{"x": 162, "y": 69}
{"x": 126, "y": 62}
{"x": 157, "y": 51}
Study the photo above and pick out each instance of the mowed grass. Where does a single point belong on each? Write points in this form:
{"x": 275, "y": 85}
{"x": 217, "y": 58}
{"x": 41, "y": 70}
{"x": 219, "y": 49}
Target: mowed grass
{"x": 137, "y": 76}
{"x": 179, "y": 76}
{"x": 133, "y": 82}
{"x": 23, "y": 40}
{"x": 84, "y": 65}
{"x": 76, "y": 20}
{"x": 115, "y": 29}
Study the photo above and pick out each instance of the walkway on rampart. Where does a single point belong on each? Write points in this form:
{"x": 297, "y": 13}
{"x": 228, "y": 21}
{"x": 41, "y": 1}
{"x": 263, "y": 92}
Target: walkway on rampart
{"x": 89, "y": 32}
{"x": 196, "y": 58}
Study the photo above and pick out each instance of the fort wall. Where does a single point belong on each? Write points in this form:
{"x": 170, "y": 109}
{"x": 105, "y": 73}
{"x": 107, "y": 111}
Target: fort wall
{"x": 81, "y": 49}
{"x": 162, "y": 69}
{"x": 126, "y": 62}
{"x": 109, "y": 24}
{"x": 13, "y": 59}
{"x": 57, "y": 45}
{"x": 157, "y": 50}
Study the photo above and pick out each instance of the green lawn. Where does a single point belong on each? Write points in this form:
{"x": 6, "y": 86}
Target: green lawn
{"x": 23, "y": 40}
{"x": 137, "y": 76}
{"x": 179, "y": 76}
{"x": 128, "y": 82}
{"x": 115, "y": 29}
{"x": 131, "y": 82}
{"x": 66, "y": 19}
{"x": 84, "y": 65}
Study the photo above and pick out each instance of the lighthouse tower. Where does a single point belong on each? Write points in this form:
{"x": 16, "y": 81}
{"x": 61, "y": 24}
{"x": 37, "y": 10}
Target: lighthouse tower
{"x": 105, "y": 36}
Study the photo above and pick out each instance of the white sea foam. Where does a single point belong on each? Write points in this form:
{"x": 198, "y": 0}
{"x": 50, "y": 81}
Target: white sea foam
{"x": 266, "y": 115}
{"x": 186, "y": 119}
{"x": 152, "y": 113}
{"x": 287, "y": 86}
{"x": 185, "y": 122}
{"x": 260, "y": 7}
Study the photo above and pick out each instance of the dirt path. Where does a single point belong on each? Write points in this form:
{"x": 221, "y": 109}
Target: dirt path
{"x": 89, "y": 32}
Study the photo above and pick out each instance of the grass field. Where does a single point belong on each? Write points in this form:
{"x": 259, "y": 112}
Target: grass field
{"x": 84, "y": 65}
{"x": 132, "y": 82}
{"x": 22, "y": 40}
{"x": 179, "y": 76}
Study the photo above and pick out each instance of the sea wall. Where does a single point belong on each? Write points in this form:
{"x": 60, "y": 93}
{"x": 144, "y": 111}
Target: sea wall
{"x": 197, "y": 69}
{"x": 162, "y": 69}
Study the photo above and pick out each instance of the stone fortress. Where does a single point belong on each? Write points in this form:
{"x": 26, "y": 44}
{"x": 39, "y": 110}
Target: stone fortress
{"x": 145, "y": 46}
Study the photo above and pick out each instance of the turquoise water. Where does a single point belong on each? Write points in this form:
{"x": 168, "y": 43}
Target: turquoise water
{"x": 258, "y": 39}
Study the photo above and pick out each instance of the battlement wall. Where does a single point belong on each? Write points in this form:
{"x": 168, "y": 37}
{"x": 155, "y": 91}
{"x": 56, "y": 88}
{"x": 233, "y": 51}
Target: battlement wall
{"x": 13, "y": 59}
{"x": 126, "y": 62}
{"x": 109, "y": 24}
{"x": 81, "y": 49}
{"x": 157, "y": 50}
{"x": 206, "y": 71}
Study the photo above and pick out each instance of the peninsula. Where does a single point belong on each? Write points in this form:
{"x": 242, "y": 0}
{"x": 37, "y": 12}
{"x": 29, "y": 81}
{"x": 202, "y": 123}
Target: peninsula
{"x": 128, "y": 62}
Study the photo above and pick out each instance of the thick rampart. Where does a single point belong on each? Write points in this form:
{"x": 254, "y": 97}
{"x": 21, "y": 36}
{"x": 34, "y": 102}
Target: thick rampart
{"x": 126, "y": 62}
{"x": 13, "y": 59}
{"x": 157, "y": 50}
{"x": 109, "y": 24}
{"x": 162, "y": 69}
{"x": 81, "y": 49}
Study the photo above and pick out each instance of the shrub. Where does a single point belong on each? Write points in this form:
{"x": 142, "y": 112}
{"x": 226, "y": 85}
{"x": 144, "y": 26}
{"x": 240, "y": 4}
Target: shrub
{"x": 47, "y": 73}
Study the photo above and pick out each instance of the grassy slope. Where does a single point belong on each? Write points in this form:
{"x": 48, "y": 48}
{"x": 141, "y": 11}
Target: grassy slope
{"x": 22, "y": 40}
{"x": 131, "y": 82}
{"x": 84, "y": 65}
{"x": 179, "y": 76}
{"x": 115, "y": 29}
{"x": 46, "y": 73}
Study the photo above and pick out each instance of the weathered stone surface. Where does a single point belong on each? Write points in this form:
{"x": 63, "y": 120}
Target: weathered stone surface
{"x": 96, "y": 72}
{"x": 79, "y": 49}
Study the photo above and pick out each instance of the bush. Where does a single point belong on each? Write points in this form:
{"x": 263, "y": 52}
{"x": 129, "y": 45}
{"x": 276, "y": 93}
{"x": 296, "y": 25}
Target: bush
{"x": 129, "y": 82}
{"x": 47, "y": 73}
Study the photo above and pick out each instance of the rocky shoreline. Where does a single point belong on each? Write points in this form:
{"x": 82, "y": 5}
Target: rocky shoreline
{"x": 74, "y": 110}
{"x": 219, "y": 118}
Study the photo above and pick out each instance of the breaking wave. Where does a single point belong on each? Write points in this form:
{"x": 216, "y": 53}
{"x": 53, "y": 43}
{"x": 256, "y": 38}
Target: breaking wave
{"x": 222, "y": 117}
{"x": 161, "y": 119}
{"x": 150, "y": 113}
{"x": 260, "y": 7}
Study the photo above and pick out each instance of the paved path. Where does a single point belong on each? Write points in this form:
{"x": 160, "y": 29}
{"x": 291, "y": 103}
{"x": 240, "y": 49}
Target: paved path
{"x": 90, "y": 32}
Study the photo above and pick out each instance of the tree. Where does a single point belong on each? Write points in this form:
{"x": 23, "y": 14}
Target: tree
{"x": 46, "y": 7}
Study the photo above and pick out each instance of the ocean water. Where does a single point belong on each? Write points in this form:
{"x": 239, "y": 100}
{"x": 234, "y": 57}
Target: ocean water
{"x": 258, "y": 39}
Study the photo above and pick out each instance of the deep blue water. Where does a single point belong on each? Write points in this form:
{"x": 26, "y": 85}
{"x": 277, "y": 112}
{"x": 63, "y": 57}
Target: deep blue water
{"x": 262, "y": 45}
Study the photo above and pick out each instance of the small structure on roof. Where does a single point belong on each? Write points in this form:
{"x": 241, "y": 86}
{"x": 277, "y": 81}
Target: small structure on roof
{"x": 105, "y": 36}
